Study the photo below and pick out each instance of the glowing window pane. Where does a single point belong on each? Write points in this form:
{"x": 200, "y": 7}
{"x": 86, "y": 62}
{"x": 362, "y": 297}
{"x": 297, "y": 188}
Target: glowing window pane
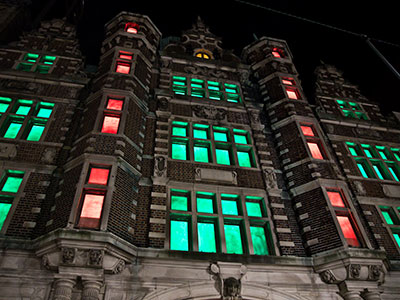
{"x": 288, "y": 81}
{"x": 276, "y": 54}
{"x": 35, "y": 132}
{"x": 335, "y": 198}
{"x": 179, "y": 202}
{"x": 383, "y": 155}
{"x": 4, "y": 209}
{"x": 362, "y": 170}
{"x": 315, "y": 151}
{"x": 393, "y": 172}
{"x": 201, "y": 153}
{"x": 378, "y": 172}
{"x": 110, "y": 124}
{"x": 348, "y": 231}
{"x": 48, "y": 60}
{"x": 240, "y": 139}
{"x": 307, "y": 130}
{"x": 397, "y": 238}
{"x": 12, "y": 184}
{"x": 114, "y": 104}
{"x": 353, "y": 151}
{"x": 292, "y": 94}
{"x": 230, "y": 207}
{"x": 388, "y": 217}
{"x": 244, "y": 159}
{"x": 23, "y": 108}
{"x": 179, "y": 151}
{"x": 12, "y": 130}
{"x": 131, "y": 27}
{"x": 205, "y": 205}
{"x": 254, "y": 209}
{"x": 31, "y": 57}
{"x": 233, "y": 239}
{"x": 259, "y": 241}
{"x": 200, "y": 133}
{"x": 123, "y": 68}
{"x": 125, "y": 55}
{"x": 179, "y": 235}
{"x": 44, "y": 112}
{"x": 24, "y": 67}
{"x": 131, "y": 30}
{"x": 222, "y": 156}
{"x": 91, "y": 211}
{"x": 207, "y": 241}
{"x": 42, "y": 69}
{"x": 179, "y": 131}
{"x": 220, "y": 136}
{"x": 4, "y": 104}
{"x": 98, "y": 176}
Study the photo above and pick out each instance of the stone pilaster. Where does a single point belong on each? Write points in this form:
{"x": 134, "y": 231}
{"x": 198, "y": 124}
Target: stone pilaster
{"x": 370, "y": 295}
{"x": 63, "y": 289}
{"x": 91, "y": 289}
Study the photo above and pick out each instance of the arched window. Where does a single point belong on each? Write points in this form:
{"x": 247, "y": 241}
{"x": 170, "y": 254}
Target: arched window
{"x": 203, "y": 53}
{"x": 131, "y": 27}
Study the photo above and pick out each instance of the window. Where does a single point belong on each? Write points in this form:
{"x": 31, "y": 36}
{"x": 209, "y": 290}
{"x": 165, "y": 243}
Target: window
{"x": 10, "y": 184}
{"x": 200, "y": 88}
{"x": 391, "y": 215}
{"x": 202, "y": 55}
{"x": 375, "y": 161}
{"x": 277, "y": 52}
{"x": 33, "y": 62}
{"x": 351, "y": 110}
{"x": 313, "y": 141}
{"x": 206, "y": 221}
{"x": 112, "y": 115}
{"x": 344, "y": 217}
{"x": 208, "y": 144}
{"x": 131, "y": 27}
{"x": 26, "y": 119}
{"x": 291, "y": 90}
{"x": 124, "y": 62}
{"x": 93, "y": 196}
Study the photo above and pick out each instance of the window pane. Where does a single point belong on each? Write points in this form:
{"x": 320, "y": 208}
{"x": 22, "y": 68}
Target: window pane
{"x": 114, "y": 104}
{"x": 222, "y": 156}
{"x": 91, "y": 211}
{"x": 259, "y": 241}
{"x": 315, "y": 151}
{"x": 4, "y": 104}
{"x": 397, "y": 238}
{"x": 387, "y": 217}
{"x": 98, "y": 176}
{"x": 11, "y": 184}
{"x": 179, "y": 202}
{"x": 233, "y": 239}
{"x": 12, "y": 130}
{"x": 23, "y": 107}
{"x": 200, "y": 134}
{"x": 220, "y": 136}
{"x": 201, "y": 153}
{"x": 229, "y": 207}
{"x": 307, "y": 130}
{"x": 123, "y": 68}
{"x": 179, "y": 131}
{"x": 179, "y": 151}
{"x": 205, "y": 205}
{"x": 206, "y": 233}
{"x": 42, "y": 69}
{"x": 254, "y": 209}
{"x": 244, "y": 159}
{"x": 35, "y": 133}
{"x": 393, "y": 171}
{"x": 364, "y": 171}
{"x": 4, "y": 209}
{"x": 44, "y": 112}
{"x": 348, "y": 231}
{"x": 179, "y": 235}
{"x": 240, "y": 139}
{"x": 292, "y": 93}
{"x": 335, "y": 198}
{"x": 110, "y": 124}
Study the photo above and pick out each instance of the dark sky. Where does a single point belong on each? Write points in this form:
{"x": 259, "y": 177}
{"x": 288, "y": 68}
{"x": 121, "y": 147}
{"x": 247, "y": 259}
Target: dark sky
{"x": 235, "y": 23}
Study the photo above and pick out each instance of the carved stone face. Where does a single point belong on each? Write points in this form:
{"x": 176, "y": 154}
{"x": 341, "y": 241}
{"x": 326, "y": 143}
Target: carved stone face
{"x": 231, "y": 287}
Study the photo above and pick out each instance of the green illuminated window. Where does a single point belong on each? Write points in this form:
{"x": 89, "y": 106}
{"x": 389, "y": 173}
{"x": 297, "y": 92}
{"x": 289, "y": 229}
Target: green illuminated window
{"x": 44, "y": 109}
{"x": 179, "y": 85}
{"x": 240, "y": 136}
{"x": 35, "y": 130}
{"x": 230, "y": 204}
{"x": 364, "y": 168}
{"x": 24, "y": 67}
{"x": 354, "y": 149}
{"x": 35, "y": 62}
{"x": 232, "y": 93}
{"x": 48, "y": 60}
{"x": 42, "y": 69}
{"x": 179, "y": 235}
{"x": 396, "y": 153}
{"x": 351, "y": 110}
{"x": 180, "y": 149}
{"x": 223, "y": 156}
{"x": 392, "y": 220}
{"x": 5, "y": 207}
{"x": 4, "y": 104}
{"x": 254, "y": 206}
{"x": 200, "y": 131}
{"x": 205, "y": 202}
{"x": 197, "y": 88}
{"x": 207, "y": 237}
{"x": 11, "y": 181}
{"x": 245, "y": 157}
{"x": 180, "y": 200}
{"x": 179, "y": 128}
{"x": 369, "y": 151}
{"x": 233, "y": 239}
{"x": 23, "y": 107}
{"x": 214, "y": 90}
{"x": 259, "y": 240}
{"x": 202, "y": 152}
{"x": 221, "y": 134}
{"x": 31, "y": 57}
{"x": 12, "y": 127}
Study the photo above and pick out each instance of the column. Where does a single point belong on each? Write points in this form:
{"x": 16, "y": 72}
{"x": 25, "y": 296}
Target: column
{"x": 370, "y": 295}
{"x": 351, "y": 295}
{"x": 63, "y": 289}
{"x": 91, "y": 289}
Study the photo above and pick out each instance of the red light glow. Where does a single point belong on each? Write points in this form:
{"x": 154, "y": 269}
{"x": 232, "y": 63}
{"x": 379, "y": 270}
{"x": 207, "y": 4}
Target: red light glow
{"x": 348, "y": 231}
{"x": 114, "y": 104}
{"x": 91, "y": 211}
{"x": 315, "y": 151}
{"x": 98, "y": 176}
{"x": 307, "y": 130}
{"x": 125, "y": 55}
{"x": 110, "y": 124}
{"x": 288, "y": 81}
{"x": 292, "y": 93}
{"x": 123, "y": 68}
{"x": 131, "y": 27}
{"x": 335, "y": 198}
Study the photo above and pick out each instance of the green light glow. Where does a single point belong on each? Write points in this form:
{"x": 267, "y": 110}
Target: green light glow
{"x": 230, "y": 207}
{"x": 378, "y": 172}
{"x": 179, "y": 151}
{"x": 233, "y": 239}
{"x": 240, "y": 139}
{"x": 12, "y": 130}
{"x": 353, "y": 151}
{"x": 220, "y": 136}
{"x": 200, "y": 133}
{"x": 4, "y": 104}
{"x": 44, "y": 112}
{"x": 259, "y": 241}
{"x": 397, "y": 238}
{"x": 179, "y": 131}
{"x": 362, "y": 170}
{"x": 206, "y": 234}
{"x": 12, "y": 184}
{"x": 180, "y": 78}
{"x": 387, "y": 217}
{"x": 24, "y": 106}
{"x": 222, "y": 156}
{"x": 201, "y": 153}
{"x": 179, "y": 235}
{"x": 244, "y": 159}
{"x": 179, "y": 202}
{"x": 42, "y": 69}
{"x": 35, "y": 133}
{"x": 254, "y": 209}
{"x": 205, "y": 205}
{"x": 393, "y": 172}
{"x": 4, "y": 209}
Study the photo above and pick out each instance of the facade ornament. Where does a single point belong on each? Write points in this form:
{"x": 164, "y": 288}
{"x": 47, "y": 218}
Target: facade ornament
{"x": 209, "y": 112}
{"x": 359, "y": 188}
{"x": 46, "y": 262}
{"x": 63, "y": 289}
{"x": 68, "y": 255}
{"x": 327, "y": 276}
{"x": 48, "y": 156}
{"x": 375, "y": 272}
{"x": 354, "y": 271}
{"x": 228, "y": 279}
{"x": 163, "y": 103}
{"x": 232, "y": 289}
{"x": 270, "y": 178}
{"x": 8, "y": 150}
{"x": 95, "y": 257}
{"x": 160, "y": 166}
{"x": 119, "y": 267}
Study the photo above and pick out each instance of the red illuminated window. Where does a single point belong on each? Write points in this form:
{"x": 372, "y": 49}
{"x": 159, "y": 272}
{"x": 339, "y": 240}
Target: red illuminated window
{"x": 98, "y": 175}
{"x": 313, "y": 141}
{"x": 122, "y": 67}
{"x": 307, "y": 130}
{"x": 292, "y": 93}
{"x": 110, "y": 124}
{"x": 125, "y": 55}
{"x": 131, "y": 27}
{"x": 288, "y": 81}
{"x": 315, "y": 150}
{"x": 344, "y": 217}
{"x": 277, "y": 52}
{"x": 92, "y": 206}
{"x": 114, "y": 104}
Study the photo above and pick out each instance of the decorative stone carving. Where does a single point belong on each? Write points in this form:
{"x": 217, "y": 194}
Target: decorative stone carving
{"x": 95, "y": 257}
{"x": 201, "y": 174}
{"x": 8, "y": 150}
{"x": 376, "y": 272}
{"x": 270, "y": 178}
{"x": 354, "y": 271}
{"x": 68, "y": 255}
{"x": 228, "y": 278}
{"x": 160, "y": 166}
{"x": 48, "y": 155}
{"x": 119, "y": 267}
{"x": 327, "y": 276}
{"x": 209, "y": 112}
{"x": 360, "y": 190}
{"x": 163, "y": 103}
{"x": 232, "y": 289}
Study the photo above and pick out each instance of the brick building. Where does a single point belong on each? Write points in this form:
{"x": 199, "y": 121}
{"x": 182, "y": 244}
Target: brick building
{"x": 181, "y": 171}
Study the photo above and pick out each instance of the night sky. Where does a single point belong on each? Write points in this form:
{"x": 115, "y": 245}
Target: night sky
{"x": 236, "y": 23}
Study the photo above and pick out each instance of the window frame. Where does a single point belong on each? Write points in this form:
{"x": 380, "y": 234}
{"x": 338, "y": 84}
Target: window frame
{"x": 109, "y": 112}
{"x": 41, "y": 62}
{"x": 391, "y": 228}
{"x": 315, "y": 139}
{"x": 124, "y": 61}
{"x": 350, "y": 111}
